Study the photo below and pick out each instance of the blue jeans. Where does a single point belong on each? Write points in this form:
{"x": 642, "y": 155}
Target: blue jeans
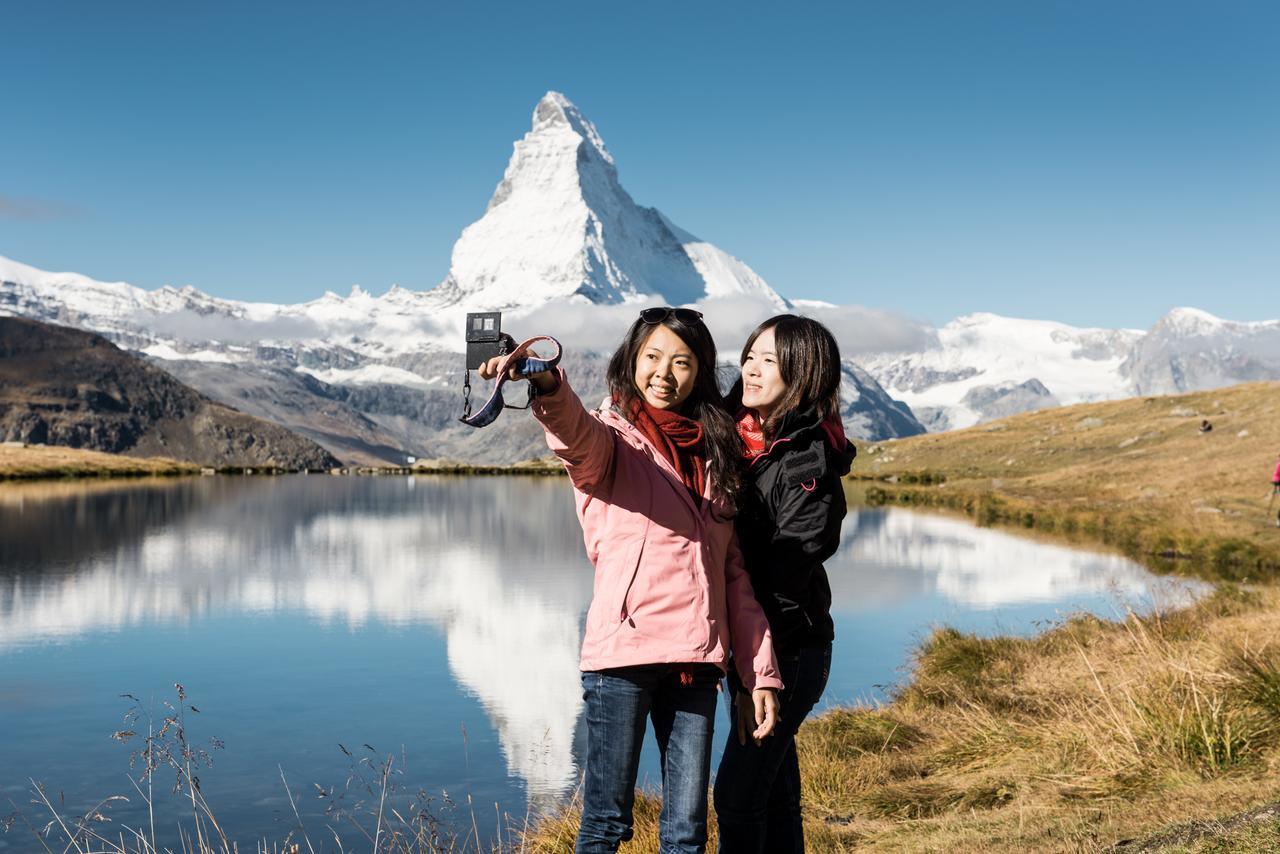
{"x": 681, "y": 701}
{"x": 757, "y": 790}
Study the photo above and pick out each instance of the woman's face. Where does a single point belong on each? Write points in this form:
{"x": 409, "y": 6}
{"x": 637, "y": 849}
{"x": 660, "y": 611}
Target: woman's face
{"x": 762, "y": 385}
{"x": 665, "y": 369}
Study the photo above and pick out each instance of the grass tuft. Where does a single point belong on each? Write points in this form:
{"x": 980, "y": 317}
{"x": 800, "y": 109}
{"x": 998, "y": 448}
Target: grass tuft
{"x": 954, "y": 667}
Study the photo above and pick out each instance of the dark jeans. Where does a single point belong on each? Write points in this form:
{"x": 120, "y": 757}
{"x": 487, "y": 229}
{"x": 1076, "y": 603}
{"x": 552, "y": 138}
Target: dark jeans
{"x": 757, "y": 792}
{"x": 681, "y": 701}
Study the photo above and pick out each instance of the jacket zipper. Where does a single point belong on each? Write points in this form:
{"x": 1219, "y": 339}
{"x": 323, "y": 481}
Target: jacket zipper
{"x": 769, "y": 450}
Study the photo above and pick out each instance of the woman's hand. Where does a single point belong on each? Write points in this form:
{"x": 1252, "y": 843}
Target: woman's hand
{"x": 544, "y": 380}
{"x": 759, "y": 716}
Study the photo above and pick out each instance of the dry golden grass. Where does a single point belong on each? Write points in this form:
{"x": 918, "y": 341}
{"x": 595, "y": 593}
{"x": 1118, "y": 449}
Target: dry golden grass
{"x": 1091, "y": 734}
{"x": 1136, "y": 474}
{"x": 49, "y": 461}
{"x": 555, "y": 833}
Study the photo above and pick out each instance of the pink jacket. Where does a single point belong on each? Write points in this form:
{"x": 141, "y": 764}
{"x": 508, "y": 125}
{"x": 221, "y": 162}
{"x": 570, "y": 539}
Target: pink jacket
{"x": 670, "y": 586}
{"x": 1275, "y": 478}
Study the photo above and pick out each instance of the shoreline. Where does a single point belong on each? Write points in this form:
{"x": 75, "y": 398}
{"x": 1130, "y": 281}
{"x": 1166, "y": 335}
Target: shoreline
{"x": 1213, "y": 557}
{"x": 1135, "y": 475}
{"x": 21, "y": 462}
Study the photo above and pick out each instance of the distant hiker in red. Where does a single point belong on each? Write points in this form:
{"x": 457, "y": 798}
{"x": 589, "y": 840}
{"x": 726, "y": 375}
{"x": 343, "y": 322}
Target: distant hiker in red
{"x": 1275, "y": 490}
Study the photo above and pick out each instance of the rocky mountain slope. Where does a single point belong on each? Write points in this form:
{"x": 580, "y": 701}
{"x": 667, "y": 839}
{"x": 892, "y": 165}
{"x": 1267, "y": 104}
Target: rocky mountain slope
{"x": 62, "y": 386}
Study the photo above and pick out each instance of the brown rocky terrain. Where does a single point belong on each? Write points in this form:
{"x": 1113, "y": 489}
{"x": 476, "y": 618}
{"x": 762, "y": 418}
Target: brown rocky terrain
{"x": 62, "y": 386}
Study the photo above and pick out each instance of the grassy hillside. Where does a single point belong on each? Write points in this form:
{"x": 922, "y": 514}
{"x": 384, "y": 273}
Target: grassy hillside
{"x": 1148, "y": 734}
{"x": 1137, "y": 474}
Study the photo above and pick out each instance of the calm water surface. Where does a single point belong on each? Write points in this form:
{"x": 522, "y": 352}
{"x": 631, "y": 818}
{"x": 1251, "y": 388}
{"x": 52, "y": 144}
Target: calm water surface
{"x": 434, "y": 618}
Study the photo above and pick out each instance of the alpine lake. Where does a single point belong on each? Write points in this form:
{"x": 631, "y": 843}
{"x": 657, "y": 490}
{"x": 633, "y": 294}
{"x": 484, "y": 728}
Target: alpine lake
{"x": 342, "y": 636}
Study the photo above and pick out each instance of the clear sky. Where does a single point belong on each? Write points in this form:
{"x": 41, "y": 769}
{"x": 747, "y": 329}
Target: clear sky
{"x": 1090, "y": 162}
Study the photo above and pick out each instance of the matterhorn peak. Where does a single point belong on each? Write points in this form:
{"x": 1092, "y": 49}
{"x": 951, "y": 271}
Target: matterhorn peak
{"x": 560, "y": 226}
{"x": 555, "y": 111}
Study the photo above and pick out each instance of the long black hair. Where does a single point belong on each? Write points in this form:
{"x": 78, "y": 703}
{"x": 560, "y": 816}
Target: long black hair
{"x": 704, "y": 404}
{"x": 809, "y": 364}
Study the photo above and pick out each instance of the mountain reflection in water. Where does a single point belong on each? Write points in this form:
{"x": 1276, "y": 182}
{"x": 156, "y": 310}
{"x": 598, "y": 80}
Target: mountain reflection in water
{"x": 496, "y": 565}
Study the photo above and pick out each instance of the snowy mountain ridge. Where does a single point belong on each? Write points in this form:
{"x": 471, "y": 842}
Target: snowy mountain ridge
{"x": 977, "y": 367}
{"x": 984, "y": 366}
{"x": 982, "y": 358}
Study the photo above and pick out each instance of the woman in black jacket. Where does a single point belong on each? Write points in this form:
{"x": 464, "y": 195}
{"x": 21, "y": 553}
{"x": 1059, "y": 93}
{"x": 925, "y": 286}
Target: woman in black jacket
{"x": 788, "y": 523}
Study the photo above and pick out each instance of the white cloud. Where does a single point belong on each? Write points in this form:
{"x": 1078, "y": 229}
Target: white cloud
{"x": 190, "y": 325}
{"x": 582, "y": 326}
{"x": 858, "y": 330}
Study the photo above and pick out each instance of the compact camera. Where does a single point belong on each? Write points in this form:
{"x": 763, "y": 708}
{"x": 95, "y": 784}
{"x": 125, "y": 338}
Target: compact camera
{"x": 485, "y": 338}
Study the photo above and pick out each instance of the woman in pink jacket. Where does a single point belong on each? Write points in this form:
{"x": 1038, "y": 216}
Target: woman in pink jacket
{"x": 655, "y": 474}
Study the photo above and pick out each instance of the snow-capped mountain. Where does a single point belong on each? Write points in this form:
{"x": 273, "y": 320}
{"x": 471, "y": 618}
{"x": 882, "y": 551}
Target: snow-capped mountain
{"x": 331, "y": 332}
{"x": 1191, "y": 349}
{"x": 562, "y": 248}
{"x": 559, "y": 229}
{"x": 560, "y": 226}
{"x": 983, "y": 366}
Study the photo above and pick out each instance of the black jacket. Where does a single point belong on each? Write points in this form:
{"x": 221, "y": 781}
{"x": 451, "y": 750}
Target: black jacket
{"x": 788, "y": 523}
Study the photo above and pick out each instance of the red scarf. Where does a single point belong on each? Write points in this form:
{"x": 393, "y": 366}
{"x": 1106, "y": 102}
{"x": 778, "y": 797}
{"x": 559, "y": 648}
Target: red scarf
{"x": 752, "y": 433}
{"x": 679, "y": 439}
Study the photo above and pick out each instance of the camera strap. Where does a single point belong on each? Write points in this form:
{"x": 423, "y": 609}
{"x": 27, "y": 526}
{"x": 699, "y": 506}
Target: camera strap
{"x": 524, "y": 364}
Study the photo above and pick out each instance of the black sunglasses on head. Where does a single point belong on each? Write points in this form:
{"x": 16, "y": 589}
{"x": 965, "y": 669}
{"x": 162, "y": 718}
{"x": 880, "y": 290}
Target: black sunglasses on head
{"x": 657, "y": 315}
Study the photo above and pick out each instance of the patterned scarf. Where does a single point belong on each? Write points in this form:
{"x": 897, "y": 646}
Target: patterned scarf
{"x": 678, "y": 438}
{"x": 752, "y": 433}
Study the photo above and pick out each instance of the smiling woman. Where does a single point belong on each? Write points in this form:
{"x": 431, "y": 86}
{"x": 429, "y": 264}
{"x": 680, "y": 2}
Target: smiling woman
{"x": 665, "y": 369}
{"x": 790, "y": 513}
{"x": 655, "y": 477}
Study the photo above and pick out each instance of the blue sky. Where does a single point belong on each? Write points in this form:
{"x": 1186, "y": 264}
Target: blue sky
{"x": 1090, "y": 162}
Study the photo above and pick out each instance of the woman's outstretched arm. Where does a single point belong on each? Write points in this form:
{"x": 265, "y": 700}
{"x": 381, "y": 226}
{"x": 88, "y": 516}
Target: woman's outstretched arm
{"x": 583, "y": 444}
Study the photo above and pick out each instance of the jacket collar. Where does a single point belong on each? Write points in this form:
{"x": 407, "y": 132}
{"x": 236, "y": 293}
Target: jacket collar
{"x": 805, "y": 425}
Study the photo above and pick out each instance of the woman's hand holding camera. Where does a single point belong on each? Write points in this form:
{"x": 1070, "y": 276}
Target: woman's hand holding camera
{"x": 544, "y": 380}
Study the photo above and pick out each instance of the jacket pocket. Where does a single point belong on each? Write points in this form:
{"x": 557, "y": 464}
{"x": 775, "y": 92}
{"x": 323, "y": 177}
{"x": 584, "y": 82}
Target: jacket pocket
{"x": 609, "y": 610}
